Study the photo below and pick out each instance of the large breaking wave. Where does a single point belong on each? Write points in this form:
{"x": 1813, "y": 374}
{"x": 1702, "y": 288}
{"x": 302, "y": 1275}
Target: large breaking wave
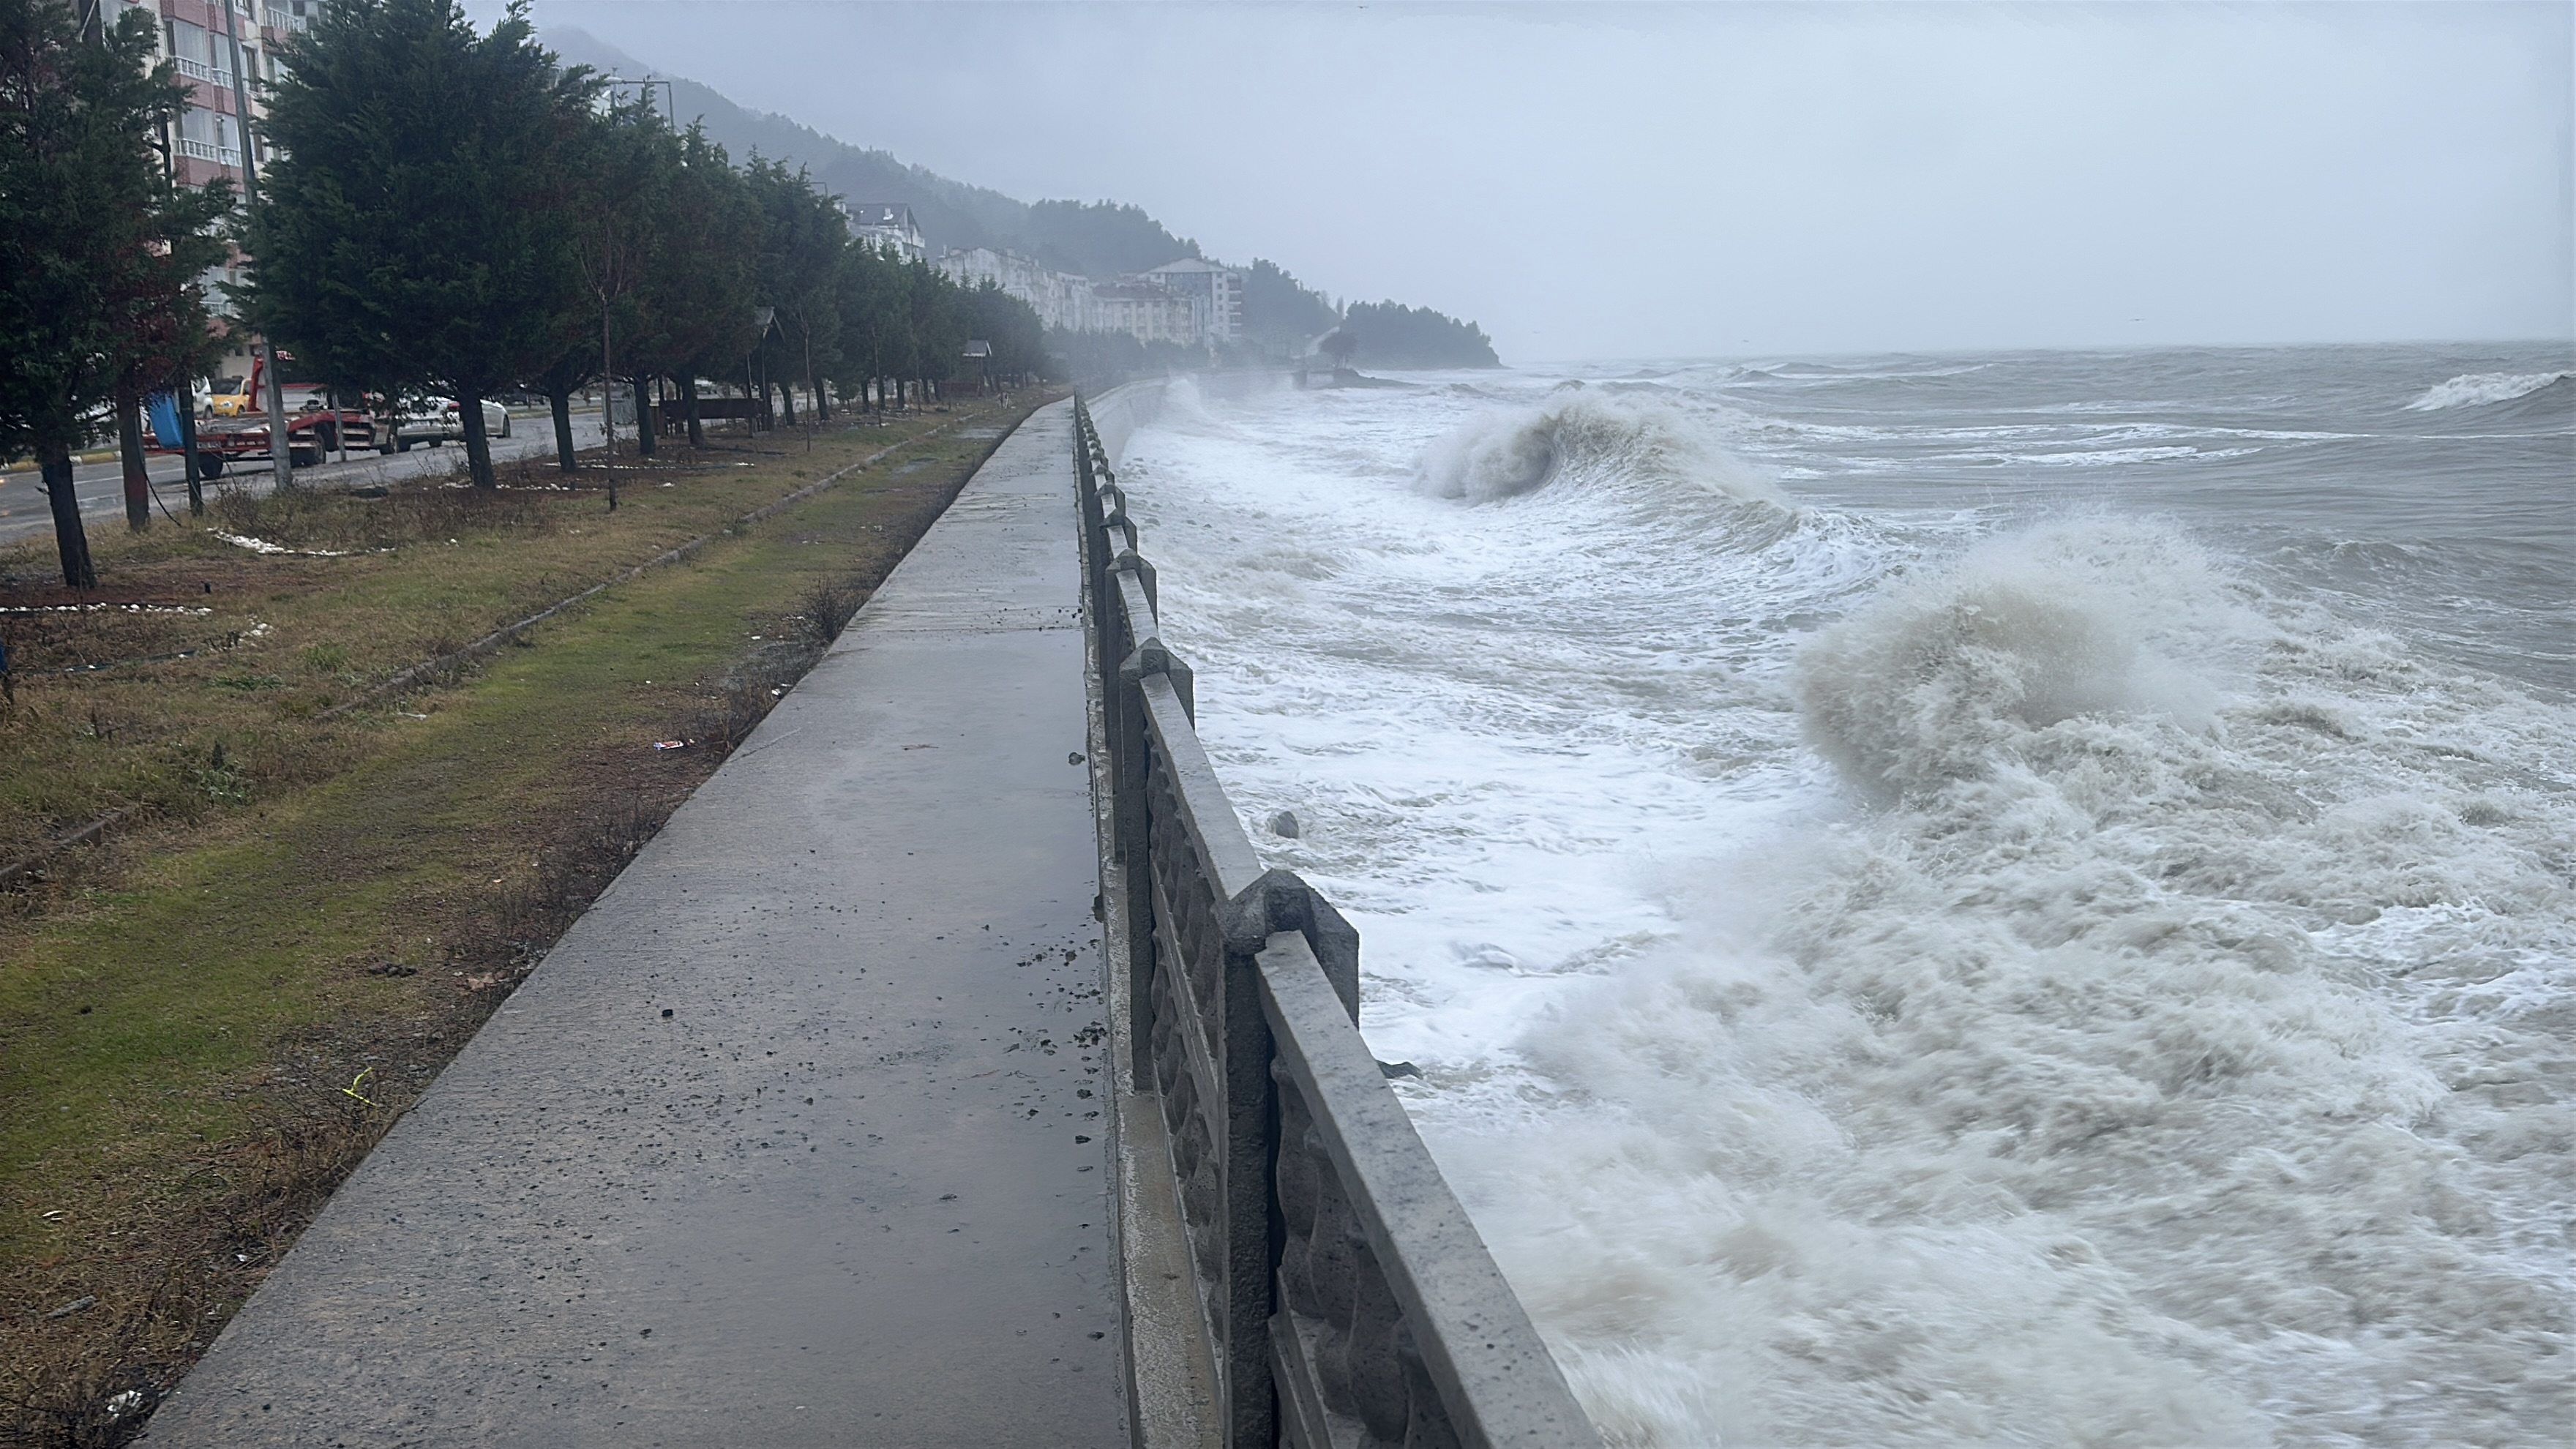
{"x": 1584, "y": 436}
{"x": 2124, "y": 1081}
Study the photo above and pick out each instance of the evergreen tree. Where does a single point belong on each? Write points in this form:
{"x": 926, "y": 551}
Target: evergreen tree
{"x": 1391, "y": 334}
{"x": 1101, "y": 238}
{"x": 1011, "y": 325}
{"x": 614, "y": 183}
{"x": 99, "y": 251}
{"x": 1279, "y": 308}
{"x": 875, "y": 331}
{"x": 695, "y": 304}
{"x": 802, "y": 237}
{"x": 934, "y": 324}
{"x": 412, "y": 231}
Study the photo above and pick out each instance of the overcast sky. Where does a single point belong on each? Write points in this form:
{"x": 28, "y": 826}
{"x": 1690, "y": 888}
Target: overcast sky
{"x": 1622, "y": 181}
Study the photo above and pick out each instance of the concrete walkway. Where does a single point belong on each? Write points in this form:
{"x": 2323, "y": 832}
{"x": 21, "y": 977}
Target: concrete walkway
{"x": 794, "y": 1140}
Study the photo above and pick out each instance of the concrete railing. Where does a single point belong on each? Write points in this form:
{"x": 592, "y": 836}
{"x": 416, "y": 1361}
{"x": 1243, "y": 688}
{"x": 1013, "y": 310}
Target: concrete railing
{"x": 1346, "y": 1299}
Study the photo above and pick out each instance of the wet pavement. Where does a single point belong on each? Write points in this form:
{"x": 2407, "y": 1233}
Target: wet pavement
{"x": 795, "y": 1138}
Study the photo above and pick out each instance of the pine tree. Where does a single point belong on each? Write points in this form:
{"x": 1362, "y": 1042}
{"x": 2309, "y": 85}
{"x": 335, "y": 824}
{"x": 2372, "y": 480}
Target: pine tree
{"x": 696, "y": 301}
{"x": 412, "y": 233}
{"x": 99, "y": 250}
{"x": 802, "y": 237}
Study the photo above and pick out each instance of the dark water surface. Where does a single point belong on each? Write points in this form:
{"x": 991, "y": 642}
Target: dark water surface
{"x": 2429, "y": 489}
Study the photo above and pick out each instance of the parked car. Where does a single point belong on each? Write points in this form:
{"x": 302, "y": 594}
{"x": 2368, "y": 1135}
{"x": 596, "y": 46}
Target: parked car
{"x": 435, "y": 420}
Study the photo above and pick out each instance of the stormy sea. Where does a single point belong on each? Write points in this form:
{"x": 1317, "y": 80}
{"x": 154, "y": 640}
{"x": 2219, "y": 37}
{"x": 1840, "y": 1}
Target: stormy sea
{"x": 2013, "y": 899}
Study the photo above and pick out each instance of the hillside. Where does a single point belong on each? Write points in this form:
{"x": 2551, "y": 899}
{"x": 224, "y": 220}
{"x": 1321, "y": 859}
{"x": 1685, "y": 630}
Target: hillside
{"x": 1098, "y": 239}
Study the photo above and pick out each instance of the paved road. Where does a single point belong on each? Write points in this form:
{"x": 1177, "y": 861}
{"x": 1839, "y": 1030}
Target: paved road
{"x": 792, "y": 1140}
{"x": 101, "y": 486}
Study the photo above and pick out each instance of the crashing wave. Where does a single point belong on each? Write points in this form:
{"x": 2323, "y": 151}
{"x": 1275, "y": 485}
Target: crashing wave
{"x": 2477, "y": 389}
{"x": 1932, "y": 681}
{"x": 1582, "y": 434}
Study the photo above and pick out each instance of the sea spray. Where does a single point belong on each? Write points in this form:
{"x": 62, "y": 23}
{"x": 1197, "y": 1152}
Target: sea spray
{"x": 2132, "y": 1012}
{"x": 2047, "y": 1107}
{"x": 1938, "y": 677}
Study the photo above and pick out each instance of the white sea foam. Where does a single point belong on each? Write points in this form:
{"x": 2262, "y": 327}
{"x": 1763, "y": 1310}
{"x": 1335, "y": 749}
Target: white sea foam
{"x": 1941, "y": 677}
{"x": 2475, "y": 389}
{"x": 1583, "y": 435}
{"x": 1882, "y": 985}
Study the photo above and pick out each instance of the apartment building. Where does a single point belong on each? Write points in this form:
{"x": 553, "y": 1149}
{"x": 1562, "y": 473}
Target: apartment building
{"x": 887, "y": 225}
{"x": 1190, "y": 302}
{"x": 225, "y": 51}
{"x": 1060, "y": 299}
{"x": 204, "y": 40}
{"x": 1148, "y": 312}
{"x": 1218, "y": 289}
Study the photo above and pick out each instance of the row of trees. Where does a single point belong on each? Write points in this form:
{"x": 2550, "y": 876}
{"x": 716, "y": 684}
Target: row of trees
{"x": 1390, "y": 334}
{"x": 458, "y": 211}
{"x": 442, "y": 211}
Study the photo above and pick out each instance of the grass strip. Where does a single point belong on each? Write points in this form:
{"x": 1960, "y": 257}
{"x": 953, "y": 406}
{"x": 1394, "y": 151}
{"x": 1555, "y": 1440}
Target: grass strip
{"x": 206, "y": 1023}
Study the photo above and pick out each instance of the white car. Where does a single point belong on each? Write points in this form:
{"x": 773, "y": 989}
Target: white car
{"x": 436, "y": 420}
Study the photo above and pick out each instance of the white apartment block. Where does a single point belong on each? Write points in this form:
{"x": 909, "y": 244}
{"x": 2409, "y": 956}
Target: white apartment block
{"x": 888, "y": 226}
{"x": 1148, "y": 312}
{"x": 1059, "y": 298}
{"x": 1219, "y": 291}
{"x": 1189, "y": 302}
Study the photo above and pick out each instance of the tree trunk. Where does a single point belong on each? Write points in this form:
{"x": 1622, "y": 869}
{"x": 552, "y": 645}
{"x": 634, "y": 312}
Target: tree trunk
{"x": 562, "y": 399}
{"x": 478, "y": 446}
{"x": 689, "y": 408}
{"x": 787, "y": 404}
{"x": 129, "y": 451}
{"x": 71, "y": 540}
{"x": 183, "y": 398}
{"x": 645, "y": 425}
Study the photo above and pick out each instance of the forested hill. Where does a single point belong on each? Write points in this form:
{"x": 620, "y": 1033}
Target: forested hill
{"x": 1098, "y": 239}
{"x": 953, "y": 213}
{"x": 1390, "y": 334}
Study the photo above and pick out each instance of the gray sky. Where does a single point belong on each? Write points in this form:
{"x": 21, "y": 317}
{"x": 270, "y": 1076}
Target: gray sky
{"x": 1620, "y": 181}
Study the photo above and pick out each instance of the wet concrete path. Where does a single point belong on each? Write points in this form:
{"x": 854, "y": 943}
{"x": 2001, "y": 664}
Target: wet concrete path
{"x": 793, "y": 1139}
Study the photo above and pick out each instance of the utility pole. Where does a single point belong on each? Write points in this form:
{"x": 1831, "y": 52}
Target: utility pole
{"x": 280, "y": 449}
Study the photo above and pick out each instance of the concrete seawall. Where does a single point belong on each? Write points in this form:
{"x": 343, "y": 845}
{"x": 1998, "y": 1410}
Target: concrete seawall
{"x": 792, "y": 1139}
{"x": 1119, "y": 412}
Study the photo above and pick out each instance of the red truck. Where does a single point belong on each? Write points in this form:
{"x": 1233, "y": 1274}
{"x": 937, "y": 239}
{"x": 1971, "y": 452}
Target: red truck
{"x": 314, "y": 428}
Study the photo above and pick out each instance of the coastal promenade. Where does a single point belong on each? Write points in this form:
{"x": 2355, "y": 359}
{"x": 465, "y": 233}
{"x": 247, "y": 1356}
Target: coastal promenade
{"x": 796, "y": 1137}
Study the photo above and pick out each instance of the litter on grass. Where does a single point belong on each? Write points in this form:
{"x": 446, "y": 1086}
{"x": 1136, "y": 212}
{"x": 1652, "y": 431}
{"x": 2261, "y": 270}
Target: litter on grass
{"x": 263, "y": 546}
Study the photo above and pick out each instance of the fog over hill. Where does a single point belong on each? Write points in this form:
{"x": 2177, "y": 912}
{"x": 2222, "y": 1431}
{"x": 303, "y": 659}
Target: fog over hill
{"x": 1098, "y": 239}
